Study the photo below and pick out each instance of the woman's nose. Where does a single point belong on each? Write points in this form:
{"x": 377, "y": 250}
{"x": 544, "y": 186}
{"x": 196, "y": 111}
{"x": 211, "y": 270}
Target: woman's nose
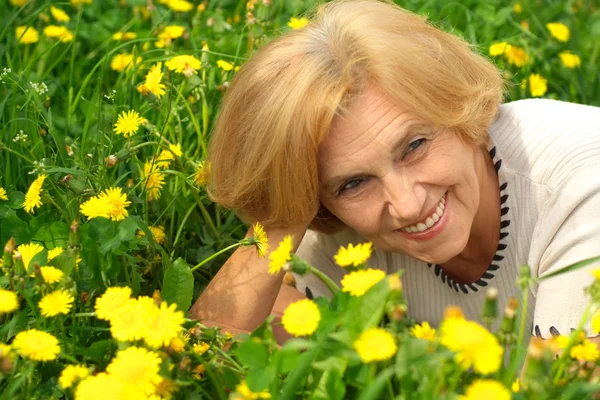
{"x": 403, "y": 201}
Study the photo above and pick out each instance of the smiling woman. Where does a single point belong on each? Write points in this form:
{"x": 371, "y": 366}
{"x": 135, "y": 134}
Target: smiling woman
{"x": 371, "y": 125}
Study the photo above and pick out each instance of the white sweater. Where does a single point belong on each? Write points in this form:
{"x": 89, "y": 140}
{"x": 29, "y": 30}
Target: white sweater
{"x": 547, "y": 154}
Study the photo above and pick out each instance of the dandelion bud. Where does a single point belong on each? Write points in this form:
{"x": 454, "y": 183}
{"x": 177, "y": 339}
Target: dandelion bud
{"x": 490, "y": 306}
{"x": 9, "y": 248}
{"x": 19, "y": 266}
{"x": 289, "y": 279}
{"x": 156, "y": 297}
{"x": 508, "y": 322}
{"x": 185, "y": 363}
{"x": 524, "y": 277}
{"x": 210, "y": 21}
{"x": 74, "y": 234}
{"x": 111, "y": 160}
{"x": 250, "y": 18}
{"x": 6, "y": 365}
{"x": 536, "y": 348}
{"x": 397, "y": 312}
{"x": 453, "y": 312}
{"x": 84, "y": 297}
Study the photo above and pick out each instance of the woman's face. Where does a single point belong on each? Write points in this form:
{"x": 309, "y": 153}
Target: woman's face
{"x": 398, "y": 181}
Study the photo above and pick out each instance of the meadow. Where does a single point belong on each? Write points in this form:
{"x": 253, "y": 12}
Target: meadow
{"x": 106, "y": 110}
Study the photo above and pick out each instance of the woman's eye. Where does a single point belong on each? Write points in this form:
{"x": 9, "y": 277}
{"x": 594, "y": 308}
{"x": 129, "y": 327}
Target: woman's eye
{"x": 352, "y": 184}
{"x": 414, "y": 145}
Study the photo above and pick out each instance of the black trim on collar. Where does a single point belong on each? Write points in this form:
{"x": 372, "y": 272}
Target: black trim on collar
{"x": 489, "y": 274}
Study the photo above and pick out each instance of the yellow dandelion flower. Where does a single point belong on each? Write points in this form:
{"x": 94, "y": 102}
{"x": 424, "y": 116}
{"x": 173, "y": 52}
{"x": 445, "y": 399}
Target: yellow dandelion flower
{"x": 186, "y": 65}
{"x": 395, "y": 282}
{"x": 224, "y": 65}
{"x": 486, "y": 389}
{"x": 559, "y": 31}
{"x": 164, "y": 159}
{"x": 279, "y": 257}
{"x": 158, "y": 232}
{"x": 154, "y": 180}
{"x": 202, "y": 173}
{"x": 59, "y": 15}
{"x": 164, "y": 323}
{"x": 36, "y": 345}
{"x": 71, "y": 374}
{"x": 354, "y": 255}
{"x": 124, "y": 36}
{"x": 130, "y": 322}
{"x": 117, "y": 201}
{"x": 176, "y": 149}
{"x": 301, "y": 318}
{"x": 198, "y": 371}
{"x": 109, "y": 304}
{"x": 101, "y": 387}
{"x": 596, "y": 322}
{"x": 6, "y": 352}
{"x": 516, "y": 55}
{"x": 153, "y": 82}
{"x": 78, "y": 2}
{"x": 18, "y": 3}
{"x": 57, "y": 302}
{"x": 260, "y": 240}
{"x": 586, "y": 351}
{"x": 538, "y": 85}
{"x": 55, "y": 252}
{"x": 128, "y": 123}
{"x": 9, "y": 301}
{"x": 569, "y": 59}
{"x": 58, "y": 32}
{"x": 473, "y": 344}
{"x": 123, "y": 61}
{"x": 178, "y": 343}
{"x": 3, "y": 195}
{"x": 138, "y": 367}
{"x": 95, "y": 207}
{"x": 375, "y": 344}
{"x": 172, "y": 32}
{"x": 423, "y": 331}
{"x": 200, "y": 348}
{"x": 518, "y": 8}
{"x": 51, "y": 274}
{"x": 27, "y": 34}
{"x": 28, "y": 251}
{"x": 357, "y": 283}
{"x": 32, "y": 197}
{"x": 497, "y": 49}
{"x": 297, "y": 23}
{"x": 243, "y": 392}
{"x": 180, "y": 5}
{"x": 516, "y": 386}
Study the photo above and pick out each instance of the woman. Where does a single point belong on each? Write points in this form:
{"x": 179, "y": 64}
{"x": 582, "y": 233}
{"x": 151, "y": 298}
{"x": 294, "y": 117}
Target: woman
{"x": 369, "y": 124}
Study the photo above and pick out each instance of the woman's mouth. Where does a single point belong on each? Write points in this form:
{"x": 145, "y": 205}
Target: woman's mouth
{"x": 430, "y": 226}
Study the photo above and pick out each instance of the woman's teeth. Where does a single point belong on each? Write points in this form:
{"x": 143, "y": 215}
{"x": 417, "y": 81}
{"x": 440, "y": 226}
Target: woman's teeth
{"x": 430, "y": 221}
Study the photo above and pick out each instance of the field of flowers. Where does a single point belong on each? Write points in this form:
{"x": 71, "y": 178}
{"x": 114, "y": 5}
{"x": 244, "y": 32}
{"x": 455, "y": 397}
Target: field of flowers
{"x": 106, "y": 109}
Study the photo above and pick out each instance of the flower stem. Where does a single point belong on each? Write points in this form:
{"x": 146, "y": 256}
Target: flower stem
{"x": 331, "y": 285}
{"x": 233, "y": 246}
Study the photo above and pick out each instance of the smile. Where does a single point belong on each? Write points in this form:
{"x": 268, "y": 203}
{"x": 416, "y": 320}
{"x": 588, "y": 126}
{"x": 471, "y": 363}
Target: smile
{"x": 431, "y": 225}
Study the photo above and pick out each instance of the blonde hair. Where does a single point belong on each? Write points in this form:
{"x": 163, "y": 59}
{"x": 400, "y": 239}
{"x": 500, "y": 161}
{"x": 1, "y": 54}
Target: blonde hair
{"x": 281, "y": 104}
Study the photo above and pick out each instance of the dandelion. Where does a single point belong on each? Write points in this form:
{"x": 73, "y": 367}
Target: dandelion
{"x": 58, "y": 32}
{"x": 180, "y": 5}
{"x": 27, "y": 34}
{"x": 473, "y": 344}
{"x": 154, "y": 180}
{"x": 357, "y": 283}
{"x": 101, "y": 386}
{"x": 516, "y": 55}
{"x": 569, "y": 59}
{"x": 6, "y": 352}
{"x": 95, "y": 207}
{"x": 518, "y": 8}
{"x": 9, "y": 301}
{"x": 36, "y": 345}
{"x": 59, "y": 15}
{"x": 78, "y": 2}
{"x": 260, "y": 240}
{"x": 51, "y": 274}
{"x": 201, "y": 174}
{"x": 198, "y": 371}
{"x": 538, "y": 85}
{"x": 158, "y": 232}
{"x": 122, "y": 62}
{"x": 28, "y": 251}
{"x": 117, "y": 201}
{"x": 243, "y": 392}
{"x": 586, "y": 351}
{"x": 353, "y": 255}
{"x": 55, "y": 252}
{"x": 497, "y": 49}
{"x": 71, "y": 374}
{"x": 375, "y": 344}
{"x": 301, "y": 317}
{"x": 423, "y": 331}
{"x": 128, "y": 123}
{"x": 32, "y": 197}
{"x": 279, "y": 257}
{"x": 559, "y": 31}
{"x": 176, "y": 149}
{"x": 486, "y": 389}
{"x": 516, "y": 386}
{"x": 178, "y": 343}
{"x": 164, "y": 324}
{"x": 200, "y": 348}
{"x": 138, "y": 367}
{"x": 124, "y": 36}
{"x": 297, "y": 23}
{"x": 57, "y": 302}
{"x": 152, "y": 83}
{"x": 130, "y": 322}
{"x": 18, "y": 3}
{"x": 172, "y": 32}
{"x": 224, "y": 65}
{"x": 186, "y": 65}
{"x": 109, "y": 304}
{"x": 164, "y": 159}
{"x": 3, "y": 195}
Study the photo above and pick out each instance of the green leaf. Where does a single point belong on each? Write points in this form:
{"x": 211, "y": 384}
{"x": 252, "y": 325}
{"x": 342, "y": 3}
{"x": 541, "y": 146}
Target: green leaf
{"x": 259, "y": 379}
{"x": 252, "y": 354}
{"x": 55, "y": 233}
{"x": 14, "y": 227}
{"x": 178, "y": 285}
{"x": 15, "y": 200}
{"x": 374, "y": 388}
{"x": 65, "y": 261}
{"x": 571, "y": 267}
{"x": 367, "y": 310}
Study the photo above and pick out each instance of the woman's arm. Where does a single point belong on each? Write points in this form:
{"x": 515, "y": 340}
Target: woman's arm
{"x": 243, "y": 293}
